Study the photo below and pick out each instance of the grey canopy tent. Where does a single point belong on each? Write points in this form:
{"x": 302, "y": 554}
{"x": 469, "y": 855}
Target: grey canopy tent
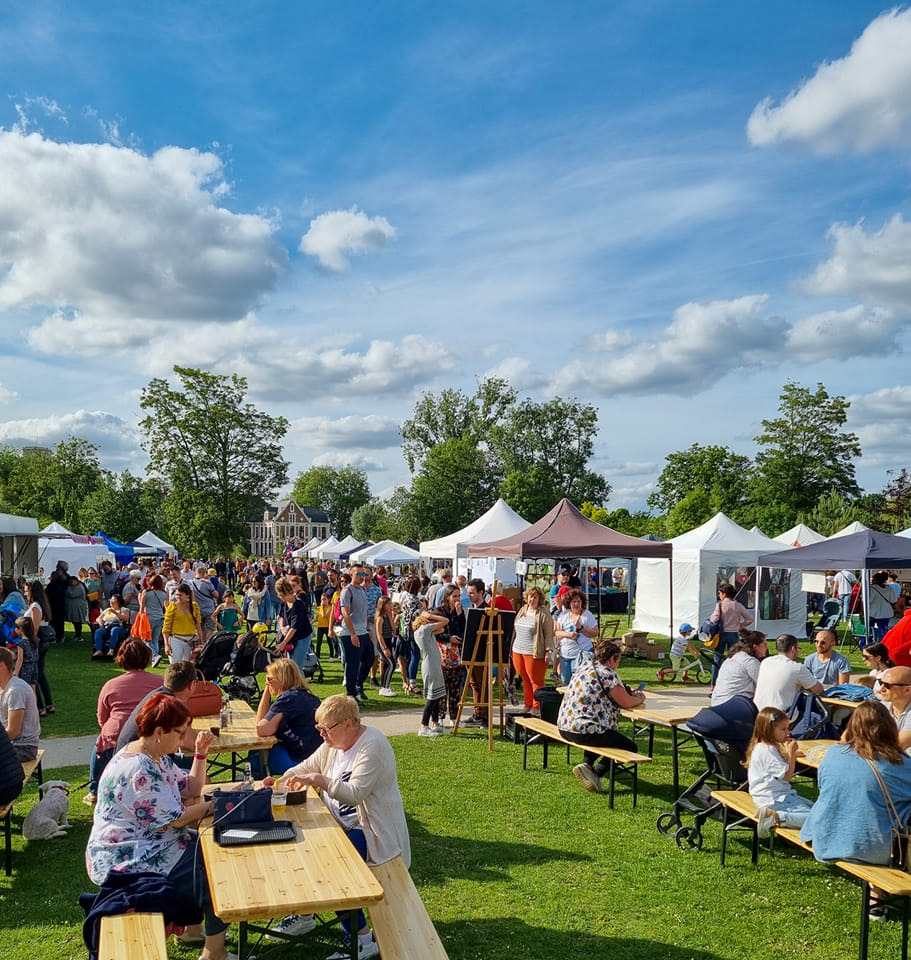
{"x": 867, "y": 550}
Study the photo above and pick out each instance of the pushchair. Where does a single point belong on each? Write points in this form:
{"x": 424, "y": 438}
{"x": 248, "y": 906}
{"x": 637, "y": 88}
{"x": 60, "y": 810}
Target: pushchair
{"x": 238, "y": 677}
{"x": 698, "y": 668}
{"x": 831, "y": 616}
{"x": 215, "y": 654}
{"x": 724, "y": 734}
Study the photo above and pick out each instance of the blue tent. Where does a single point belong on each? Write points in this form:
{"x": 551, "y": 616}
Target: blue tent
{"x": 122, "y": 552}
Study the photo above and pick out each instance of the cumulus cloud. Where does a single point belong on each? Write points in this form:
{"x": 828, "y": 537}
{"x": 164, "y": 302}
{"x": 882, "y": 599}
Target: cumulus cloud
{"x": 882, "y": 422}
{"x": 718, "y": 335}
{"x": 372, "y": 431}
{"x": 340, "y": 458}
{"x": 860, "y": 102}
{"x": 117, "y": 439}
{"x": 859, "y": 331}
{"x": 109, "y": 239}
{"x": 519, "y": 371}
{"x": 337, "y": 232}
{"x": 631, "y": 469}
{"x": 876, "y": 266}
{"x": 6, "y": 394}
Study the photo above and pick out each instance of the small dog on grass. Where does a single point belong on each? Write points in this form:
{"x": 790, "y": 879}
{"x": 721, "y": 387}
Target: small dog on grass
{"x": 48, "y": 818}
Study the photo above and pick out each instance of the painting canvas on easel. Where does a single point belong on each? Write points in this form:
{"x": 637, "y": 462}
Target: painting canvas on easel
{"x": 498, "y": 628}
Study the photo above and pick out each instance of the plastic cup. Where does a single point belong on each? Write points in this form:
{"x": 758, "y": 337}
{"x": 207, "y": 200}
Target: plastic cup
{"x": 279, "y": 801}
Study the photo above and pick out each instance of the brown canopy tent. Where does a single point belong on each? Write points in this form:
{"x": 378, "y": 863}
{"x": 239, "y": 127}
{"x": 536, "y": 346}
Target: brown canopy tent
{"x": 566, "y": 532}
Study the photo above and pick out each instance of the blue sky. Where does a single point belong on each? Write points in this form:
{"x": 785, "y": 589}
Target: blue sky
{"x": 663, "y": 209}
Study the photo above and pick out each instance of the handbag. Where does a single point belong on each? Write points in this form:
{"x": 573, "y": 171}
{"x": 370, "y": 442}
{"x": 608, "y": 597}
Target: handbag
{"x": 710, "y": 631}
{"x": 142, "y": 629}
{"x": 899, "y": 831}
{"x": 234, "y": 807}
{"x": 205, "y": 701}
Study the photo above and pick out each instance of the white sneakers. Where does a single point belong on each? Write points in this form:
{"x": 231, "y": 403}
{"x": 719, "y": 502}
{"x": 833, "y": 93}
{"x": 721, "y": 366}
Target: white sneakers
{"x": 294, "y": 926}
{"x": 765, "y": 820}
{"x": 428, "y": 732}
{"x": 588, "y": 778}
{"x": 366, "y": 948}
{"x": 385, "y": 692}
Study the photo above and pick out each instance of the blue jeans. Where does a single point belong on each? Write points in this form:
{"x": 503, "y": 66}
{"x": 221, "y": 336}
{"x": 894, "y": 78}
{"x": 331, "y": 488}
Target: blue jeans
{"x": 301, "y": 649}
{"x": 414, "y": 660}
{"x": 359, "y": 842}
{"x": 727, "y": 640}
{"x": 97, "y": 763}
{"x": 279, "y": 761}
{"x": 358, "y": 661}
{"x": 156, "y": 626}
{"x": 567, "y": 668}
{"x": 110, "y": 637}
{"x": 793, "y": 811}
{"x": 880, "y": 626}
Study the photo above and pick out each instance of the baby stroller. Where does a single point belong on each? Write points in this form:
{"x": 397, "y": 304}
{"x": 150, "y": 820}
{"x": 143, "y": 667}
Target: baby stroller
{"x": 724, "y": 734}
{"x": 831, "y": 616}
{"x": 216, "y": 653}
{"x": 247, "y": 659}
{"x": 697, "y": 668}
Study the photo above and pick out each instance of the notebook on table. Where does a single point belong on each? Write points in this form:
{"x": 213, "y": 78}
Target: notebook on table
{"x": 243, "y": 834}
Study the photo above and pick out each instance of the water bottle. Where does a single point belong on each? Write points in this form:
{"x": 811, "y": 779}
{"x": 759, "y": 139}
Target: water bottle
{"x": 248, "y": 777}
{"x": 225, "y": 716}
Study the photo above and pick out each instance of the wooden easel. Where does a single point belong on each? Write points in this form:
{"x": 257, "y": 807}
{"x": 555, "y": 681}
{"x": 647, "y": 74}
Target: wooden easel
{"x": 489, "y": 636}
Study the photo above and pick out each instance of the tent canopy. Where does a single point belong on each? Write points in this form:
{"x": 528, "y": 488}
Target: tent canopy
{"x": 799, "y": 535}
{"x": 498, "y": 522}
{"x": 854, "y": 527}
{"x": 386, "y": 551}
{"x": 867, "y": 550}
{"x": 566, "y": 532}
{"x": 361, "y": 545}
{"x": 121, "y": 551}
{"x": 151, "y": 540}
{"x": 328, "y": 549}
{"x": 306, "y": 548}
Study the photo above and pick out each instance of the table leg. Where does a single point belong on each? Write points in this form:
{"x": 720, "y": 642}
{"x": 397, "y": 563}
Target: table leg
{"x": 242, "y": 945}
{"x": 352, "y": 937}
{"x": 674, "y": 759}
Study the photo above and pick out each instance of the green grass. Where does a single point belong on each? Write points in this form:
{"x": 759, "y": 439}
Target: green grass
{"x": 526, "y": 864}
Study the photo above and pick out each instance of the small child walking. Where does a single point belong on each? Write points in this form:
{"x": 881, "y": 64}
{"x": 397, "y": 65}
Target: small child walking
{"x": 771, "y": 759}
{"x": 426, "y": 625}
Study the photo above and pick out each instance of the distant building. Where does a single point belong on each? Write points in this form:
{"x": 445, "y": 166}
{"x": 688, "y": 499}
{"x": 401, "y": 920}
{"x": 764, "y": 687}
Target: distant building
{"x": 285, "y": 527}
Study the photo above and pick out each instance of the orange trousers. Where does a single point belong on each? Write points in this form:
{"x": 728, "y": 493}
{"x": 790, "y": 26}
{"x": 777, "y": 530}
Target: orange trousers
{"x": 532, "y": 671}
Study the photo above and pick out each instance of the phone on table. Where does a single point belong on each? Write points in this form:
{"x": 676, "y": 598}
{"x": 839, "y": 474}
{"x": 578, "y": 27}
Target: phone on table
{"x": 641, "y": 686}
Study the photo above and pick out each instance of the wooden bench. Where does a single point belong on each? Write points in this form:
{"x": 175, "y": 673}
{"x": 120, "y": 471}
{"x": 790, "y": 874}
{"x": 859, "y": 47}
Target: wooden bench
{"x": 401, "y": 925}
{"x": 6, "y": 812}
{"x": 893, "y": 882}
{"x": 133, "y": 936}
{"x": 622, "y": 762}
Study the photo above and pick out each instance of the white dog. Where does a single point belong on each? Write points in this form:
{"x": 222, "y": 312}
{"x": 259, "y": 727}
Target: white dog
{"x": 48, "y": 818}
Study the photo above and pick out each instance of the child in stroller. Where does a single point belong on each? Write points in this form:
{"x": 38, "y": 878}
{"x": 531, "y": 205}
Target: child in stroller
{"x": 247, "y": 659}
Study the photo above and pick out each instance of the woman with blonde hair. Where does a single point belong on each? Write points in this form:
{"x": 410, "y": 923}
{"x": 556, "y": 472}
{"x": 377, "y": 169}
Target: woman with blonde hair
{"x": 532, "y": 646}
{"x": 287, "y": 711}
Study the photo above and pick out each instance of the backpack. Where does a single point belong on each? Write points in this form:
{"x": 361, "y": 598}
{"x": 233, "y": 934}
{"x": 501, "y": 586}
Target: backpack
{"x": 337, "y": 608}
{"x": 811, "y": 719}
{"x": 8, "y": 619}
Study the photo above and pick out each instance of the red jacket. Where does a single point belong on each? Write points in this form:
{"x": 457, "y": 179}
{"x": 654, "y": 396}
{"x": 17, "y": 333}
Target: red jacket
{"x": 898, "y": 641}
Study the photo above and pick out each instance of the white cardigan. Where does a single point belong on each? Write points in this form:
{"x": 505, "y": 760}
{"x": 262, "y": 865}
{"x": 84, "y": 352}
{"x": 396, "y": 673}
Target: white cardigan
{"x": 373, "y": 788}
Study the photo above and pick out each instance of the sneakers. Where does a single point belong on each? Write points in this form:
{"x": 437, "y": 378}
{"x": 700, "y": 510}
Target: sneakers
{"x": 155, "y": 660}
{"x": 294, "y": 926}
{"x": 366, "y": 948}
{"x": 588, "y": 778}
{"x": 90, "y": 799}
{"x": 428, "y": 732}
{"x": 374, "y": 682}
{"x": 191, "y": 939}
{"x": 765, "y": 820}
{"x": 447, "y": 722}
{"x": 877, "y": 911}
{"x": 386, "y": 692}
{"x": 475, "y": 721}
{"x": 439, "y": 730}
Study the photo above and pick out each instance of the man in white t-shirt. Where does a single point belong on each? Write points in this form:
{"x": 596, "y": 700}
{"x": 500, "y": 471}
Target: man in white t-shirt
{"x": 781, "y": 676}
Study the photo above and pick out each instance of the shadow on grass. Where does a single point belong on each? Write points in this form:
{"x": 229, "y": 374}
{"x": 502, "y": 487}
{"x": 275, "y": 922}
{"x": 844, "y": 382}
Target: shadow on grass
{"x": 504, "y": 937}
{"x": 451, "y": 857}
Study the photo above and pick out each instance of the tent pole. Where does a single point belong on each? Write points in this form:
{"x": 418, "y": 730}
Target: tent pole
{"x": 670, "y": 575}
{"x": 757, "y": 576}
{"x": 865, "y": 590}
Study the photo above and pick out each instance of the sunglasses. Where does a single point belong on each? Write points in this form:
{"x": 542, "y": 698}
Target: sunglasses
{"x": 888, "y": 686}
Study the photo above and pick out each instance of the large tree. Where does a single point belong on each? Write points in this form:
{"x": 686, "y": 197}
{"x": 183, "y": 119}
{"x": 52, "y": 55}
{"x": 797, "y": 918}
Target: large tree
{"x": 804, "y": 453}
{"x": 218, "y": 456}
{"x": 452, "y": 415}
{"x": 337, "y": 491}
{"x": 123, "y": 506}
{"x": 716, "y": 470}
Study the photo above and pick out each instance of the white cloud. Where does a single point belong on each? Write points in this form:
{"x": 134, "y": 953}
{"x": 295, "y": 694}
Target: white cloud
{"x": 341, "y": 458}
{"x": 110, "y": 239}
{"x": 860, "y": 102}
{"x": 882, "y": 422}
{"x": 704, "y": 342}
{"x": 632, "y": 469}
{"x": 876, "y": 266}
{"x": 337, "y": 232}
{"x": 858, "y": 331}
{"x": 118, "y": 439}
{"x": 25, "y": 112}
{"x": 6, "y": 394}
{"x": 519, "y": 372}
{"x": 371, "y": 431}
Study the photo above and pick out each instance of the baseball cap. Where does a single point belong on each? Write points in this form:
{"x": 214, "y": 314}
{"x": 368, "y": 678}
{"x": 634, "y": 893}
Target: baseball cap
{"x": 686, "y": 628}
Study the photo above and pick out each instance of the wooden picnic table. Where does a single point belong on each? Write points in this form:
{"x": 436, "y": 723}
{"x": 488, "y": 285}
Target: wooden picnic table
{"x": 239, "y": 738}
{"x": 317, "y": 872}
{"x": 811, "y": 752}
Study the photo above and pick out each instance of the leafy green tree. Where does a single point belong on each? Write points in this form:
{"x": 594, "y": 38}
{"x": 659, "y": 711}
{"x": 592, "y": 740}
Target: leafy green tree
{"x": 554, "y": 441}
{"x": 804, "y": 452}
{"x": 830, "y": 514}
{"x": 123, "y": 506}
{"x": 452, "y": 415}
{"x": 454, "y": 486}
{"x": 400, "y": 523}
{"x": 369, "y": 518}
{"x": 337, "y": 491}
{"x": 712, "y": 468}
{"x": 217, "y": 455}
{"x": 693, "y": 510}
{"x": 896, "y": 507}
{"x": 530, "y": 492}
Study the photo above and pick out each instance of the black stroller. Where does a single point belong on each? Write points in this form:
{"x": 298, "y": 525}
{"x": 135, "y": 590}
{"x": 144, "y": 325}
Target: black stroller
{"x": 238, "y": 677}
{"x": 216, "y": 653}
{"x": 724, "y": 734}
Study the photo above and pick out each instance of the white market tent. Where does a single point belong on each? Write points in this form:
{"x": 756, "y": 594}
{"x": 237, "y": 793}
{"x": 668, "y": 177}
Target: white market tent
{"x": 904, "y": 533}
{"x": 18, "y": 544}
{"x": 341, "y": 546}
{"x": 698, "y": 556}
{"x": 800, "y": 535}
{"x": 304, "y": 551}
{"x": 500, "y": 522}
{"x": 151, "y": 540}
{"x": 55, "y": 543}
{"x": 327, "y": 550}
{"x": 855, "y": 527}
{"x": 387, "y": 552}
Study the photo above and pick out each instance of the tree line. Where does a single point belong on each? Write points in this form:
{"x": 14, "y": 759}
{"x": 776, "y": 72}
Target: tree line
{"x": 215, "y": 460}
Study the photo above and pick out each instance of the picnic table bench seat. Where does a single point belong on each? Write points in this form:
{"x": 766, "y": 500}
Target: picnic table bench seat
{"x": 624, "y": 763}
{"x": 133, "y": 936}
{"x": 401, "y": 925}
{"x": 6, "y": 811}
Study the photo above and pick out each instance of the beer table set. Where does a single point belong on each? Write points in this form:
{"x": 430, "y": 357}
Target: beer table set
{"x": 238, "y": 738}
{"x": 317, "y": 872}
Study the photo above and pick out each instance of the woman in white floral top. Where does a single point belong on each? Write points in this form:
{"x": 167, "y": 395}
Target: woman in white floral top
{"x": 141, "y": 822}
{"x": 591, "y": 708}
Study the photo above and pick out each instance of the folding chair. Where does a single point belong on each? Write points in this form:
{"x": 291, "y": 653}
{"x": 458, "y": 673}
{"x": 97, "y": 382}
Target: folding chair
{"x": 855, "y": 633}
